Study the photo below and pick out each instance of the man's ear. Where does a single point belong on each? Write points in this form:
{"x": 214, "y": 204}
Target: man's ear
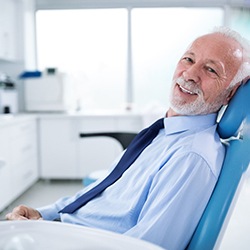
{"x": 231, "y": 93}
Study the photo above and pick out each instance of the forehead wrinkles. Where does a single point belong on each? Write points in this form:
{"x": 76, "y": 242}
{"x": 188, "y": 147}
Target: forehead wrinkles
{"x": 219, "y": 49}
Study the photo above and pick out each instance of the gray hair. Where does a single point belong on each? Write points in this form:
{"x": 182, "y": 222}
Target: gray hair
{"x": 244, "y": 69}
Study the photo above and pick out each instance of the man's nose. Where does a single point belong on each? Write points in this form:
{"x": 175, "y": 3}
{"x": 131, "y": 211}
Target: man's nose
{"x": 192, "y": 74}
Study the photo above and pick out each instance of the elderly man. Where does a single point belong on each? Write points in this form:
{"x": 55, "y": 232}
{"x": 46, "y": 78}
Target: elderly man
{"x": 162, "y": 194}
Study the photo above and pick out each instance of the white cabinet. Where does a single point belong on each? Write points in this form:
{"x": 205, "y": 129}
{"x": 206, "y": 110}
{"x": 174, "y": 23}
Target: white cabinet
{"x": 9, "y": 29}
{"x": 18, "y": 158}
{"x": 23, "y": 148}
{"x": 5, "y": 168}
{"x": 64, "y": 154}
{"x": 58, "y": 147}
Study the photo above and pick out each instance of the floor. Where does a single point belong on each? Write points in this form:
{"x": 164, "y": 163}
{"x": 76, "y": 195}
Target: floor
{"x": 45, "y": 192}
{"x": 236, "y": 235}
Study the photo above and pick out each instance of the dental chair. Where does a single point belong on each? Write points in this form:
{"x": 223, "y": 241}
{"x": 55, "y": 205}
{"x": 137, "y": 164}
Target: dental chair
{"x": 234, "y": 129}
{"x": 124, "y": 138}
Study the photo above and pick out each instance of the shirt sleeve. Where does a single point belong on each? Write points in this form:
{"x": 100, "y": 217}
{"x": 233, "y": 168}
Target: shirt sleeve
{"x": 175, "y": 202}
{"x": 50, "y": 212}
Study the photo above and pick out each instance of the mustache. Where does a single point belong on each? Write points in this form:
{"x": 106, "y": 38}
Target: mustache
{"x": 189, "y": 85}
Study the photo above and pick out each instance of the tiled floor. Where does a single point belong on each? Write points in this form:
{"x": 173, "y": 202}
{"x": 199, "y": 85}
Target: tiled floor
{"x": 236, "y": 234}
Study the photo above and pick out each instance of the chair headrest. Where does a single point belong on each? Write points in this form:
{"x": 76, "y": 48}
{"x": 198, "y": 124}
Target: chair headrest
{"x": 236, "y": 112}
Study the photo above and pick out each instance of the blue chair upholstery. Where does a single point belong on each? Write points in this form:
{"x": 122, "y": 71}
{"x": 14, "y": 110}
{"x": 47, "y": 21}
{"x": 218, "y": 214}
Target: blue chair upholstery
{"x": 235, "y": 127}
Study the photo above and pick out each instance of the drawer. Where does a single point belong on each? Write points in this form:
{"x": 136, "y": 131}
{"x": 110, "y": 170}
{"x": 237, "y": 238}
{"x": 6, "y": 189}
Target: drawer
{"x": 23, "y": 175}
{"x": 23, "y": 142}
{"x": 23, "y": 129}
{"x": 22, "y": 149}
{"x": 5, "y": 193}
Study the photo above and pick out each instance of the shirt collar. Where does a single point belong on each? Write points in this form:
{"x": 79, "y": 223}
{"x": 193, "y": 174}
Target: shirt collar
{"x": 177, "y": 124}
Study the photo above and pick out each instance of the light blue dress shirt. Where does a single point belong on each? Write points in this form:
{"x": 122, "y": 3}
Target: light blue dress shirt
{"x": 161, "y": 197}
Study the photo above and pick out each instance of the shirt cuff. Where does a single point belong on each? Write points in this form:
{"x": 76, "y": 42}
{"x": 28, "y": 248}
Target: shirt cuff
{"x": 49, "y": 212}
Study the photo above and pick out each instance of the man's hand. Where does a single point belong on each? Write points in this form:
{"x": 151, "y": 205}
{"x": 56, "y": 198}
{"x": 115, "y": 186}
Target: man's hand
{"x": 23, "y": 213}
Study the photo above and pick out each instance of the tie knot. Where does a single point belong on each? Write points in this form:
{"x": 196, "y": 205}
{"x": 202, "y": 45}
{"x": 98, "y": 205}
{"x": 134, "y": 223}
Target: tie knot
{"x": 159, "y": 124}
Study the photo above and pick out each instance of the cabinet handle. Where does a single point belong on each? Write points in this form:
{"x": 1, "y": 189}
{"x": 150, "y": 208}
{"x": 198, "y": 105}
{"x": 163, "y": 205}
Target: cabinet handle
{"x": 2, "y": 163}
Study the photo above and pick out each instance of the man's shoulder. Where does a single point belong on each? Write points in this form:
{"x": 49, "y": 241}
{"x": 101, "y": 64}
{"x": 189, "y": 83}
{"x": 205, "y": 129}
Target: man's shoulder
{"x": 208, "y": 145}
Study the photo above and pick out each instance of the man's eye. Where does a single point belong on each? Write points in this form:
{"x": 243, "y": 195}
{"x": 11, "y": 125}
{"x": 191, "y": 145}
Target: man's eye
{"x": 188, "y": 59}
{"x": 211, "y": 70}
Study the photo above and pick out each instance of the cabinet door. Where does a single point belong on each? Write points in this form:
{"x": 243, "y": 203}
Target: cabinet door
{"x": 24, "y": 163}
{"x": 5, "y": 173}
{"x": 58, "y": 148}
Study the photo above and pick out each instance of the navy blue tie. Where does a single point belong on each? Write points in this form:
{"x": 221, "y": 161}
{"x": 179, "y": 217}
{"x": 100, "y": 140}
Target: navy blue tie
{"x": 139, "y": 143}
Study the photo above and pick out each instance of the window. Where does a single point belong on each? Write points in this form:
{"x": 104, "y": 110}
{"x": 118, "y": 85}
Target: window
{"x": 240, "y": 21}
{"x": 93, "y": 47}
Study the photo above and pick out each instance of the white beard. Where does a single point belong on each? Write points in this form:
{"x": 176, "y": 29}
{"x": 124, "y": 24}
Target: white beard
{"x": 197, "y": 107}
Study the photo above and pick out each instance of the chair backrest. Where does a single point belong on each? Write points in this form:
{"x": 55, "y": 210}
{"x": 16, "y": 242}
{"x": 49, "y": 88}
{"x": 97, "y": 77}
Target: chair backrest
{"x": 235, "y": 123}
{"x": 124, "y": 138}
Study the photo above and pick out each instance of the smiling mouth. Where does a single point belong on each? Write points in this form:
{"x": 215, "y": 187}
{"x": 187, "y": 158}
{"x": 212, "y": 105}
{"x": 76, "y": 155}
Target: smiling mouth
{"x": 186, "y": 90}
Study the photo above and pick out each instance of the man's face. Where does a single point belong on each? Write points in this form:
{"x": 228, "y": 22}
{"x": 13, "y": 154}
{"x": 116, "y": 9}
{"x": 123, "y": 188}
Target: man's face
{"x": 203, "y": 74}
